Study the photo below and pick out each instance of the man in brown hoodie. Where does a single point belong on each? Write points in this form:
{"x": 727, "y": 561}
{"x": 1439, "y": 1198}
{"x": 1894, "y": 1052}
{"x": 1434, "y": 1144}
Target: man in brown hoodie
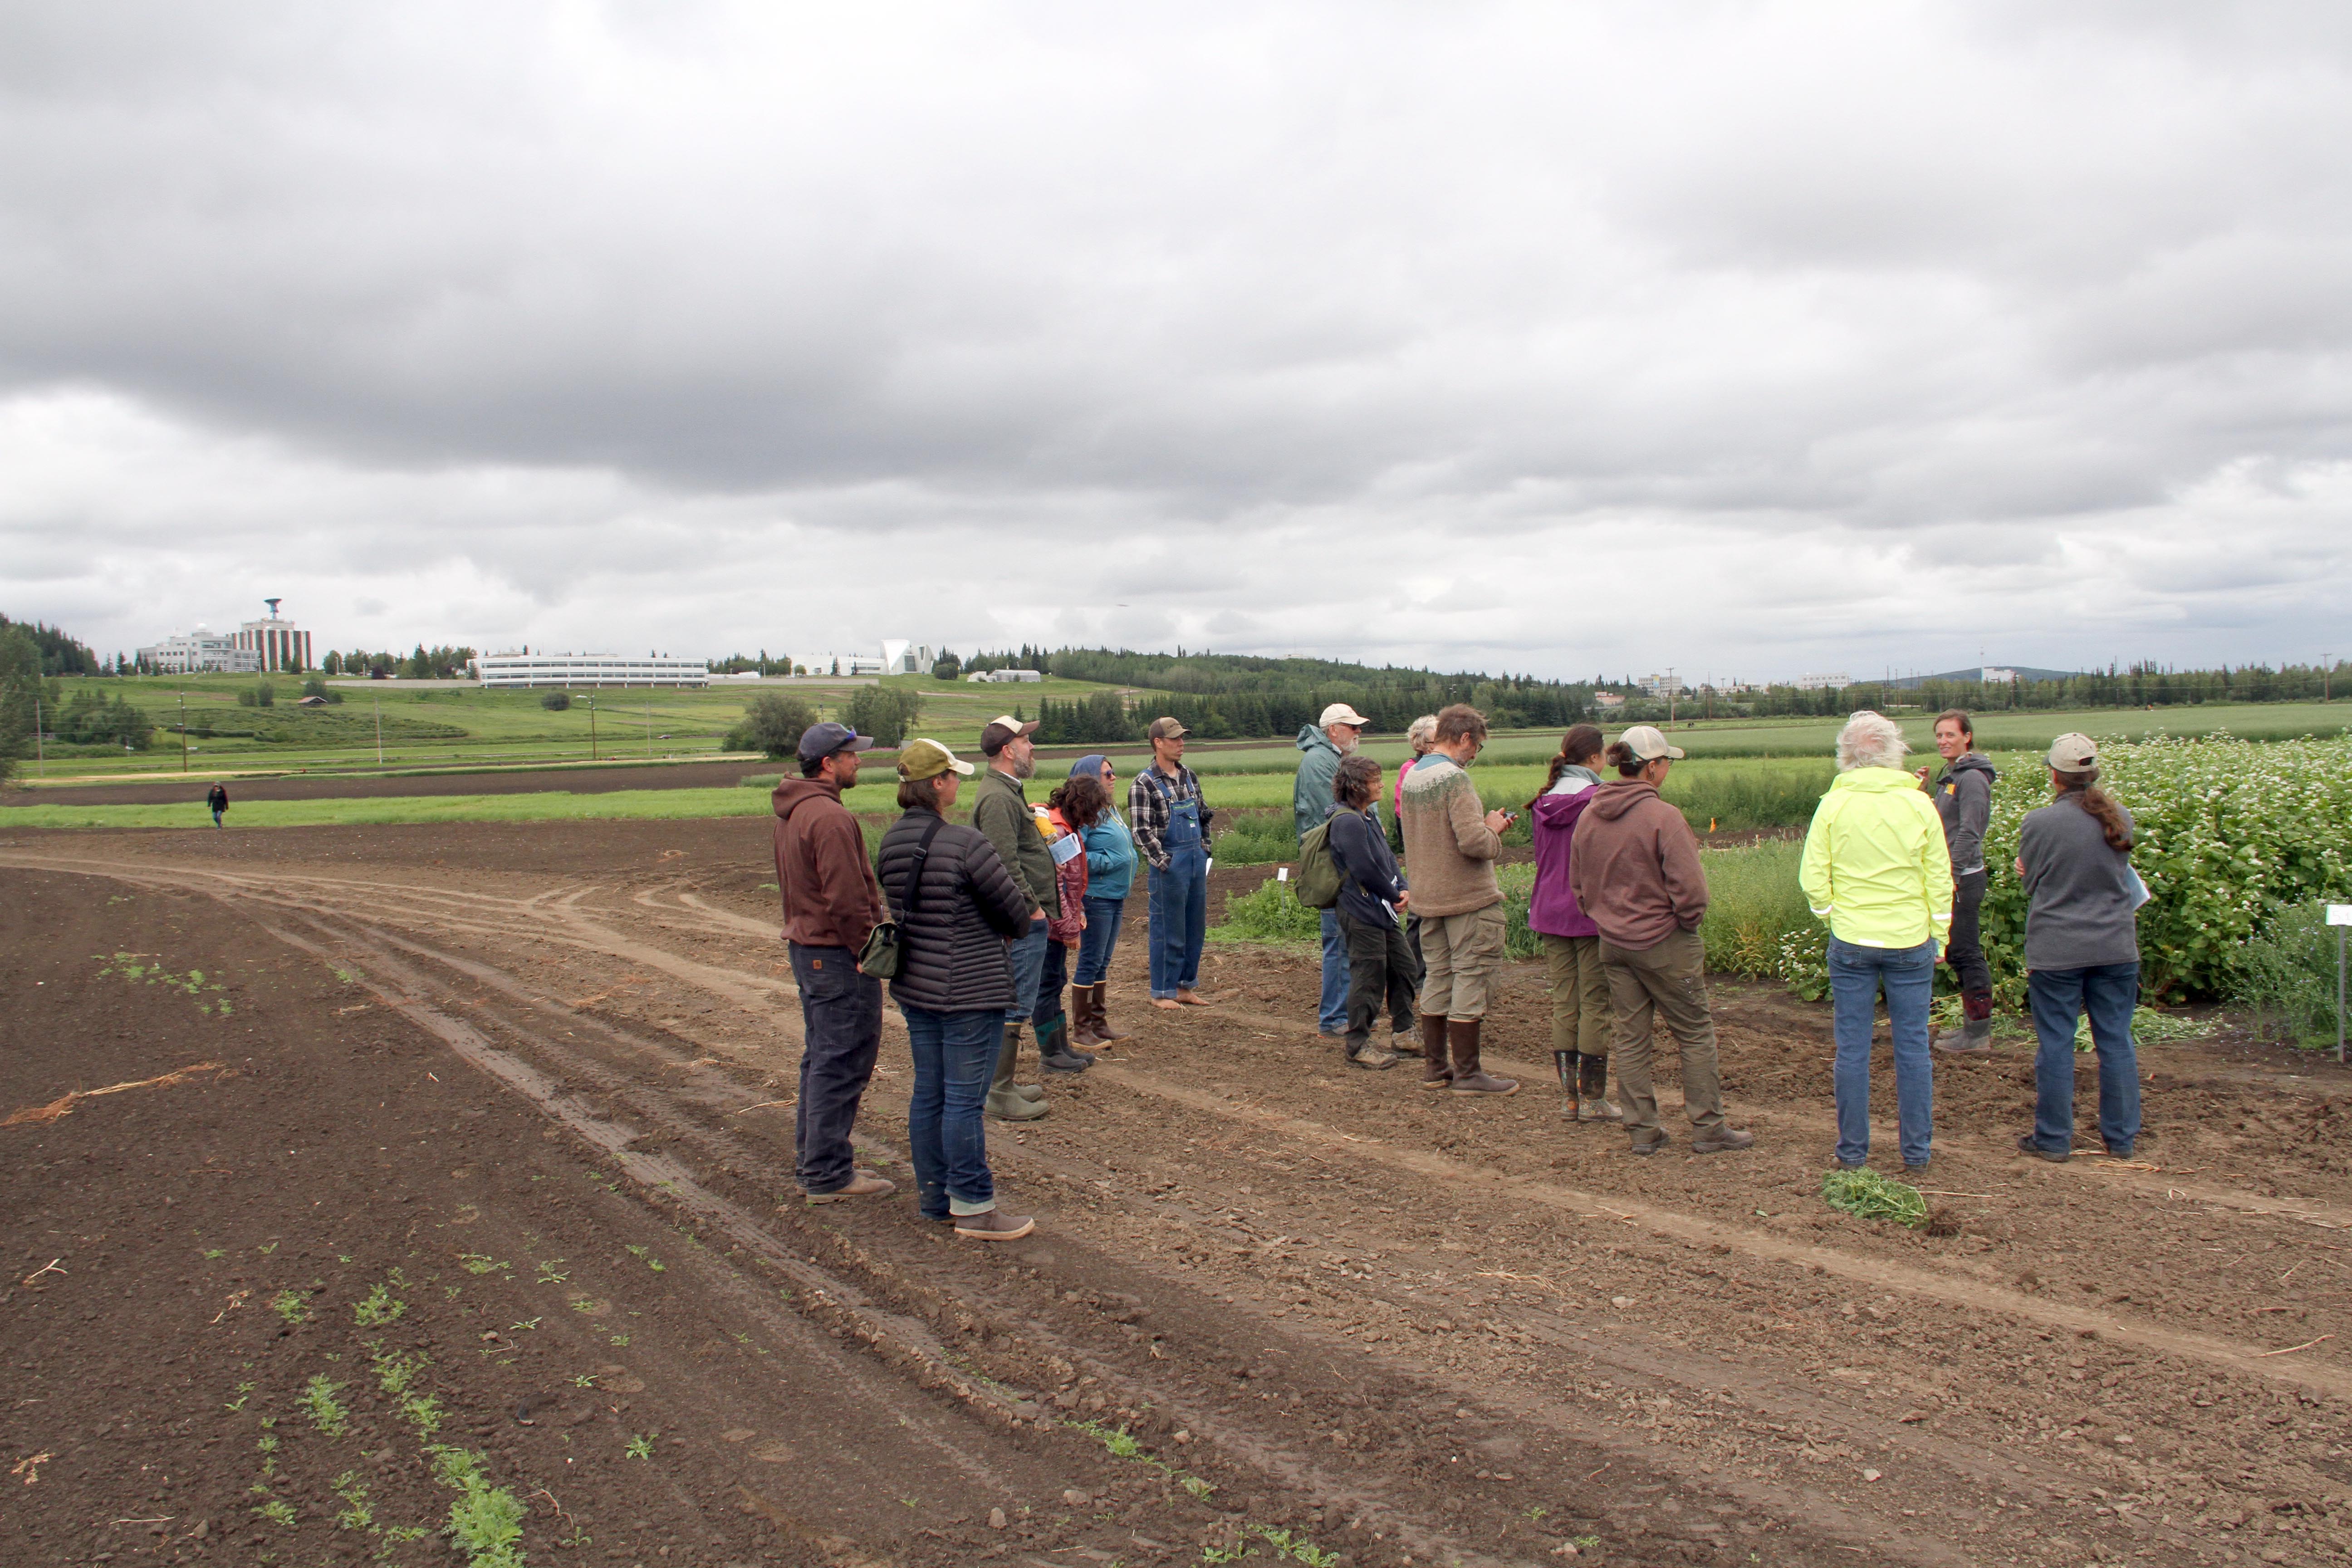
{"x": 1634, "y": 867}
{"x": 831, "y": 904}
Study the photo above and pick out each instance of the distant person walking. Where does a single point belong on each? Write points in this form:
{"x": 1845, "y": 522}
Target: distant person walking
{"x": 1321, "y": 745}
{"x": 1963, "y": 797}
{"x": 831, "y": 905}
{"x": 1450, "y": 848}
{"x": 1171, "y": 831}
{"x": 1635, "y": 869}
{"x": 1110, "y": 876}
{"x": 958, "y": 908}
{"x": 1068, "y": 810}
{"x": 2082, "y": 950}
{"x": 999, "y": 809}
{"x": 1574, "y": 980}
{"x": 1876, "y": 870}
{"x": 1372, "y": 897}
{"x": 216, "y": 802}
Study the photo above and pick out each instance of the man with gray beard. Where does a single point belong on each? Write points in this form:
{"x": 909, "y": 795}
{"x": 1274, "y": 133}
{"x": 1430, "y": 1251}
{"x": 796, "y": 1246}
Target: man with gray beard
{"x": 1000, "y": 811}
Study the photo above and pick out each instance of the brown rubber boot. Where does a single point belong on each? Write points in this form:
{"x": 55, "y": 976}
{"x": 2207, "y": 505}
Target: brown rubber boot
{"x": 1469, "y": 1078}
{"x": 1592, "y": 1091}
{"x": 1564, "y": 1064}
{"x": 1434, "y": 1072}
{"x": 1103, "y": 1025}
{"x": 1084, "y": 1000}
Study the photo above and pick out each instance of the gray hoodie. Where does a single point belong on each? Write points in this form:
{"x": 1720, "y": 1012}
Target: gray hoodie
{"x": 1963, "y": 797}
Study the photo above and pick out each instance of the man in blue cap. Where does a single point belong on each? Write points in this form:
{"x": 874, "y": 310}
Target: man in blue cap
{"x": 831, "y": 905}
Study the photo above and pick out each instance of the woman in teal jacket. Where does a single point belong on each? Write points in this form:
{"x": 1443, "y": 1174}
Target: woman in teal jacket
{"x": 1110, "y": 872}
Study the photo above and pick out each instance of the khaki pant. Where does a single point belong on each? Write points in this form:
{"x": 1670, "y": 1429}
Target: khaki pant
{"x": 1578, "y": 989}
{"x": 1668, "y": 982}
{"x": 1460, "y": 955}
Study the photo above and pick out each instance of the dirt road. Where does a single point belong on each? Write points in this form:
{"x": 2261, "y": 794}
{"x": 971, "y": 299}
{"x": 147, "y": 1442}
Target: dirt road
{"x": 510, "y": 1071}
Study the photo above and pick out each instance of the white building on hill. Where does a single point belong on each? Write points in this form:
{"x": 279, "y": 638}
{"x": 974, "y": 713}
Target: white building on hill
{"x": 592, "y": 670}
{"x": 1823, "y": 682}
{"x": 277, "y": 642}
{"x": 199, "y": 652}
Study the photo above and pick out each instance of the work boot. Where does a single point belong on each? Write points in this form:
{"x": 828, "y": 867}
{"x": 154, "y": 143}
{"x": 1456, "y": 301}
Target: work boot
{"x": 1564, "y": 1064}
{"x": 1054, "y": 1050}
{"x": 861, "y": 1184}
{"x": 1084, "y": 999}
{"x": 994, "y": 1225}
{"x": 1361, "y": 1052}
{"x": 1722, "y": 1138}
{"x": 1103, "y": 1025}
{"x": 1434, "y": 1072}
{"x": 1593, "y": 1101}
{"x": 1006, "y": 1103}
{"x": 1468, "y": 1077}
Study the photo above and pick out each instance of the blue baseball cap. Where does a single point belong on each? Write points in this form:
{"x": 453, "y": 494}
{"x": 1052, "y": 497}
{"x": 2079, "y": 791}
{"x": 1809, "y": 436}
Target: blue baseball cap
{"x": 819, "y": 742}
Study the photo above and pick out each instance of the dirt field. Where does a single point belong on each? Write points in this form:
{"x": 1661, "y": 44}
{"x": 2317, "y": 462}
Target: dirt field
{"x": 499, "y": 1117}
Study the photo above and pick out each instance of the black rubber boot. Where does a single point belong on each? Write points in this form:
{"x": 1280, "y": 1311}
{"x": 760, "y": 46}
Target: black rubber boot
{"x": 1054, "y": 1049}
{"x": 1593, "y": 1091}
{"x": 1564, "y": 1063}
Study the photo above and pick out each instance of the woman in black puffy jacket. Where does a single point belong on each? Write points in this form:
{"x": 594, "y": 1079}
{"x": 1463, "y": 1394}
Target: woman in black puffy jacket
{"x": 953, "y": 985}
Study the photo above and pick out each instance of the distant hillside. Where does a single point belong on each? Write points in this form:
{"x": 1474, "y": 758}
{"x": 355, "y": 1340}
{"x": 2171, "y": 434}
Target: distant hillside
{"x": 1975, "y": 674}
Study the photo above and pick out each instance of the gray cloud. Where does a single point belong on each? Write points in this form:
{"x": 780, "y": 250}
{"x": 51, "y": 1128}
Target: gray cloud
{"x": 1830, "y": 337}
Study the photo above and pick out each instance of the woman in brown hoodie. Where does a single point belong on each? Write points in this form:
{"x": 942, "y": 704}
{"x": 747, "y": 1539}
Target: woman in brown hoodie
{"x": 1634, "y": 867}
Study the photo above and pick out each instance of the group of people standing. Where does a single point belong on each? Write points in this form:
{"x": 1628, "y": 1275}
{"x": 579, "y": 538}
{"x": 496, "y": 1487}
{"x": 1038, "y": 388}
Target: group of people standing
{"x": 992, "y": 920}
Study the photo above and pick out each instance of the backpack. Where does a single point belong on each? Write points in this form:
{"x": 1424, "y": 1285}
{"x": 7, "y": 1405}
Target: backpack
{"x": 1318, "y": 872}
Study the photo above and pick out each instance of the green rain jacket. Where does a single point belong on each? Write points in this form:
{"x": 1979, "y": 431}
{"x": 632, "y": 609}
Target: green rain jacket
{"x": 1875, "y": 865}
{"x": 1310, "y": 797}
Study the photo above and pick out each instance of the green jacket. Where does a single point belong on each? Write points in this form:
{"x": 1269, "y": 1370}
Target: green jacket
{"x": 1875, "y": 865}
{"x": 1001, "y": 810}
{"x": 1310, "y": 797}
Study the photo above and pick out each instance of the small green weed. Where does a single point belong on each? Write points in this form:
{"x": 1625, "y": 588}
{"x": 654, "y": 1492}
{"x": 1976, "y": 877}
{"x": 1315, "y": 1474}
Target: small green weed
{"x": 126, "y": 965}
{"x": 620, "y": 1338}
{"x": 486, "y": 1521}
{"x": 355, "y": 1514}
{"x": 278, "y": 1513}
{"x": 289, "y": 1305}
{"x": 549, "y": 1275}
{"x": 641, "y": 1446}
{"x": 319, "y": 1400}
{"x": 377, "y": 1308}
{"x": 584, "y": 1304}
{"x": 1866, "y": 1194}
{"x": 244, "y": 1393}
{"x": 216, "y": 1252}
{"x": 645, "y": 1256}
{"x": 584, "y": 1380}
{"x": 480, "y": 1263}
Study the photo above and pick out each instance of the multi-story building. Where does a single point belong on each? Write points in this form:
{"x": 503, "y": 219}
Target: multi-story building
{"x": 199, "y": 652}
{"x": 1823, "y": 682}
{"x": 276, "y": 643}
{"x": 593, "y": 670}
{"x": 1664, "y": 686}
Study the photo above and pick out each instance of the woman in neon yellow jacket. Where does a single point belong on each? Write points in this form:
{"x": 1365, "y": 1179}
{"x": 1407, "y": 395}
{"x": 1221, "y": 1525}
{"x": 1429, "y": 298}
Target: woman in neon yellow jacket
{"x": 1877, "y": 870}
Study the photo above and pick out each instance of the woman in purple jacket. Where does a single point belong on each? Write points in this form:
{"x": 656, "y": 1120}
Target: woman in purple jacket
{"x": 1580, "y": 992}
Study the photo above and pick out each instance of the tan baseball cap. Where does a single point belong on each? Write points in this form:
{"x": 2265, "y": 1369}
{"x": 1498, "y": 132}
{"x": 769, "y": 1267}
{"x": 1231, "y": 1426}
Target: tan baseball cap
{"x": 928, "y": 759}
{"x": 2074, "y": 753}
{"x": 1167, "y": 730}
{"x": 1340, "y": 713}
{"x": 1648, "y": 744}
{"x": 1003, "y": 729}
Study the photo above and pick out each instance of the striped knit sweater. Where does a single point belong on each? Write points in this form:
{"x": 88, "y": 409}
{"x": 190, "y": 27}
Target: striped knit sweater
{"x": 1449, "y": 851}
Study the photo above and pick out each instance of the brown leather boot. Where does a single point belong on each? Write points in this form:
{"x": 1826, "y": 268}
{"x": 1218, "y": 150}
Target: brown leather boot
{"x": 1434, "y": 1072}
{"x": 1084, "y": 1000}
{"x": 1468, "y": 1077}
{"x": 1103, "y": 1025}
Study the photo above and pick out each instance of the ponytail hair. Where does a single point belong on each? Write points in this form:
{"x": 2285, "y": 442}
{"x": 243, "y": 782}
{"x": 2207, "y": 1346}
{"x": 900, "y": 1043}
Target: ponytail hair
{"x": 2084, "y": 789}
{"x": 1577, "y": 747}
{"x": 1629, "y": 766}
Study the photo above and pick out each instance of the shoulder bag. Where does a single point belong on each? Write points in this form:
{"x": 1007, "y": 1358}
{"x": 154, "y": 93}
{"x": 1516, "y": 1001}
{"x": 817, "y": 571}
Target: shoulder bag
{"x": 879, "y": 957}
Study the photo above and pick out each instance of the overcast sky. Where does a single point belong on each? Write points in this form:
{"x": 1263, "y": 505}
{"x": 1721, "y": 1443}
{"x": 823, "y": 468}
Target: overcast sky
{"x": 1747, "y": 339}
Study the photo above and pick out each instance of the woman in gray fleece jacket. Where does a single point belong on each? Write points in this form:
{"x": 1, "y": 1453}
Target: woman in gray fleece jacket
{"x": 2082, "y": 950}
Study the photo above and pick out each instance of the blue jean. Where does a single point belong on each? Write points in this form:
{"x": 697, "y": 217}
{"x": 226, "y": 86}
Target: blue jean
{"x": 1028, "y": 956}
{"x": 841, "y": 1034}
{"x": 2108, "y": 992}
{"x": 1907, "y": 975}
{"x": 955, "y": 1056}
{"x": 1180, "y": 921}
{"x": 1098, "y": 940}
{"x": 1332, "y": 1018}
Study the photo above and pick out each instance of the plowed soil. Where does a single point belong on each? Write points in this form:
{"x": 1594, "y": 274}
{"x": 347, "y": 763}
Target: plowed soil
{"x": 498, "y": 1117}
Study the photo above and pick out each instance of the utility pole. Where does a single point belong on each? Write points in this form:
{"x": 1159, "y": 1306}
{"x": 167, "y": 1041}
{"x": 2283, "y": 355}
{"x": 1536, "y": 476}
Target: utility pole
{"x": 183, "y": 731}
{"x": 379, "y": 730}
{"x": 650, "y": 721}
{"x": 1670, "y": 697}
{"x": 592, "y": 729}
{"x": 40, "y": 757}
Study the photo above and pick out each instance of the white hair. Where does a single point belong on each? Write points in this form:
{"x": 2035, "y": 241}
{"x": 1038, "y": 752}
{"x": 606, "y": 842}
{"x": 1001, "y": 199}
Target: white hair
{"x": 1870, "y": 741}
{"x": 1422, "y": 734}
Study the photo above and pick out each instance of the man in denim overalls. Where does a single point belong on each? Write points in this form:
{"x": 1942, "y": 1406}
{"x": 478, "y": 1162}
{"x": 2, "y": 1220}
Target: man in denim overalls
{"x": 1171, "y": 830}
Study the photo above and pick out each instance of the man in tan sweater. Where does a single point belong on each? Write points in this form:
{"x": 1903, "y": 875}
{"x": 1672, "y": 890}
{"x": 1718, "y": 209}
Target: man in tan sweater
{"x": 1450, "y": 848}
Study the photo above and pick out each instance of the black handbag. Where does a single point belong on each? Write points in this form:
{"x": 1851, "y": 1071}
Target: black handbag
{"x": 879, "y": 959}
